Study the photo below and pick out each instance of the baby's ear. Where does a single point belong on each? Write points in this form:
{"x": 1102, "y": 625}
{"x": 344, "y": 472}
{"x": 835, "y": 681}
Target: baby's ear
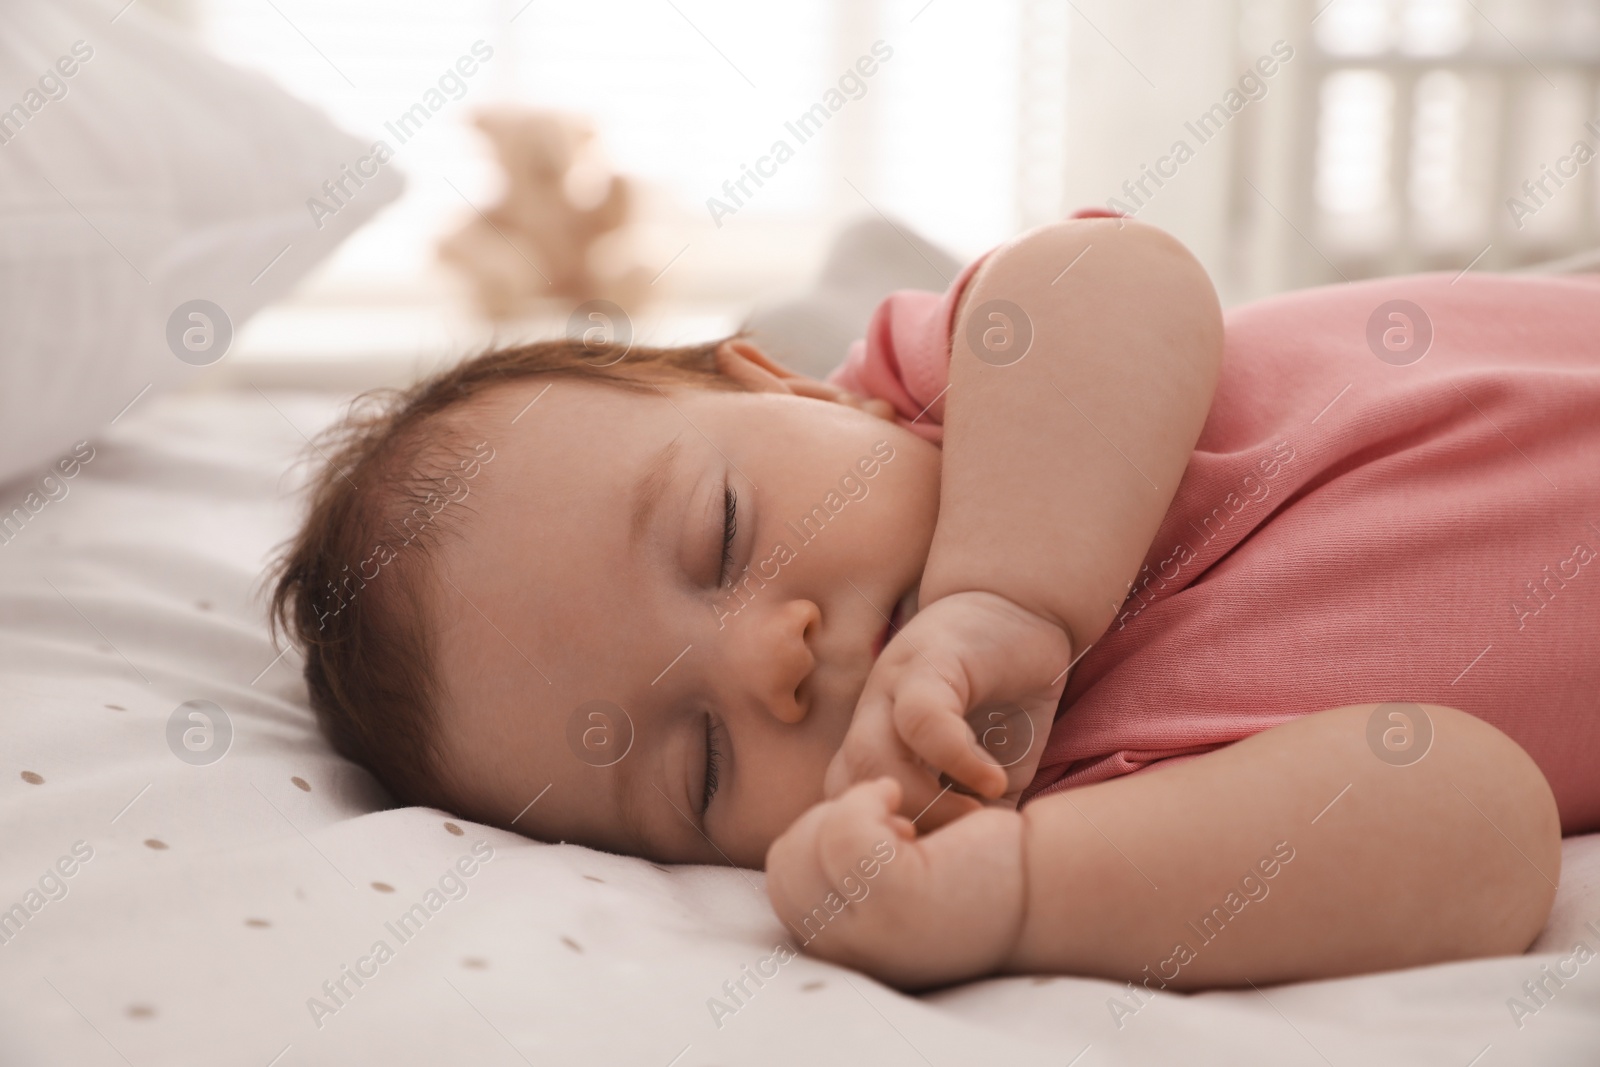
{"x": 758, "y": 372}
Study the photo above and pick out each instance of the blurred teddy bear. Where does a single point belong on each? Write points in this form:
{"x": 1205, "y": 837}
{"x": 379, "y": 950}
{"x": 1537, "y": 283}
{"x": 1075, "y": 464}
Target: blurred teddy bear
{"x": 561, "y": 230}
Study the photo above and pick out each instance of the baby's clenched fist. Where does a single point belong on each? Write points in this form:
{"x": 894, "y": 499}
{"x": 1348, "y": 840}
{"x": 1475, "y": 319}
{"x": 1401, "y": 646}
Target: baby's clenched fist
{"x": 968, "y": 690}
{"x": 854, "y": 884}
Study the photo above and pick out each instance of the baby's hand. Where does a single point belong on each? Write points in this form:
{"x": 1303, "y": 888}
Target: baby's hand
{"x": 967, "y": 689}
{"x": 855, "y": 885}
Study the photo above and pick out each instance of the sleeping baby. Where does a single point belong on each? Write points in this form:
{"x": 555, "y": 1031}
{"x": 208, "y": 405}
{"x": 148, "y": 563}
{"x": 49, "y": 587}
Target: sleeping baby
{"x": 1062, "y": 629}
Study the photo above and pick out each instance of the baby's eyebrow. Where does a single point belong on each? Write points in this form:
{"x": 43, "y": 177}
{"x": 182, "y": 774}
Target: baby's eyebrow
{"x": 651, "y": 487}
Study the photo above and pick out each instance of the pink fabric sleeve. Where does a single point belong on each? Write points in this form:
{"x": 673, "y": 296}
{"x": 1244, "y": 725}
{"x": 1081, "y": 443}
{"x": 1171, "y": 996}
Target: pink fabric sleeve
{"x": 905, "y": 356}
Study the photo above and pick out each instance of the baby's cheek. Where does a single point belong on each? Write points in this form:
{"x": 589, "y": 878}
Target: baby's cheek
{"x": 771, "y": 807}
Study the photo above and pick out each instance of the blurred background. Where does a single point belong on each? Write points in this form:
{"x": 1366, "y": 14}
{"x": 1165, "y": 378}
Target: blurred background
{"x": 1399, "y": 135}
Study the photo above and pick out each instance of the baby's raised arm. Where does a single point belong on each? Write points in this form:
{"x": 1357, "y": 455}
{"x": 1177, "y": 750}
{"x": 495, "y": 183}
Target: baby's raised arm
{"x": 1060, "y": 465}
{"x": 1083, "y": 361}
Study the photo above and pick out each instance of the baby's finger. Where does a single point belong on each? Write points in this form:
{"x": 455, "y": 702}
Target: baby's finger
{"x": 856, "y": 823}
{"x": 928, "y": 718}
{"x": 852, "y": 824}
{"x": 918, "y": 789}
{"x": 872, "y": 801}
{"x": 921, "y": 797}
{"x": 879, "y": 797}
{"x": 798, "y": 862}
{"x": 870, "y": 750}
{"x": 930, "y": 806}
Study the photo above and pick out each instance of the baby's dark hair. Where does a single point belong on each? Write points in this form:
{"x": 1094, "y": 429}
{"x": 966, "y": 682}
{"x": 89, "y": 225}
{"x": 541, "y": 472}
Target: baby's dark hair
{"x": 348, "y": 588}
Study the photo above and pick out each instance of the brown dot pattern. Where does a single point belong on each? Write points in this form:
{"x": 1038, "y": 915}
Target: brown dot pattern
{"x": 203, "y": 605}
{"x": 259, "y": 924}
{"x": 592, "y": 878}
{"x": 32, "y": 779}
{"x": 453, "y": 828}
{"x": 573, "y": 945}
{"x": 116, "y": 707}
{"x": 141, "y": 1011}
{"x": 155, "y": 843}
{"x": 811, "y": 987}
{"x": 383, "y": 887}
{"x": 301, "y": 784}
{"x": 476, "y": 964}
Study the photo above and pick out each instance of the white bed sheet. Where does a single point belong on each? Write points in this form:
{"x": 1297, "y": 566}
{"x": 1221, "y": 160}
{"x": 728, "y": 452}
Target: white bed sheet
{"x": 220, "y": 898}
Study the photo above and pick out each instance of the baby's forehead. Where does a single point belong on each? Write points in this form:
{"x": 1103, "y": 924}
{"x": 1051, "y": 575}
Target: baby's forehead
{"x": 589, "y": 444}
{"x": 548, "y": 526}
{"x": 570, "y": 434}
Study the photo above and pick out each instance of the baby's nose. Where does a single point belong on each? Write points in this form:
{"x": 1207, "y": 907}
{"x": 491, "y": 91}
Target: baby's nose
{"x": 784, "y": 661}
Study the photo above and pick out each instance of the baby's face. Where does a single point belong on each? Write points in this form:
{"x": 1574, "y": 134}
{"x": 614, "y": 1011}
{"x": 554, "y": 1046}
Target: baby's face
{"x": 592, "y": 641}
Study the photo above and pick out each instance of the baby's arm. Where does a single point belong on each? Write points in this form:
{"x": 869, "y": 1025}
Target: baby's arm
{"x": 1084, "y": 357}
{"x": 1295, "y": 853}
{"x": 1059, "y": 467}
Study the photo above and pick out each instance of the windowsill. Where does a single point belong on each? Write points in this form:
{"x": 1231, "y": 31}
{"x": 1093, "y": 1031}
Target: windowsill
{"x": 317, "y": 343}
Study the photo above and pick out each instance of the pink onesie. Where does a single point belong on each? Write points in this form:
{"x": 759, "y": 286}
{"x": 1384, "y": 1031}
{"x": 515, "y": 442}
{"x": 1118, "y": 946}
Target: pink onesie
{"x": 1350, "y": 528}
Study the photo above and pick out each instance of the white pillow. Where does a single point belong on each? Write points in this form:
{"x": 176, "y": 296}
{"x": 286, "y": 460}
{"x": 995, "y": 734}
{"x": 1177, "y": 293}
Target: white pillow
{"x": 138, "y": 174}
